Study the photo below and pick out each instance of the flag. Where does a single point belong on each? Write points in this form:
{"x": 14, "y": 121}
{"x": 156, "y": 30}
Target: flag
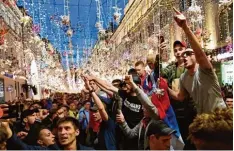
{"x": 166, "y": 114}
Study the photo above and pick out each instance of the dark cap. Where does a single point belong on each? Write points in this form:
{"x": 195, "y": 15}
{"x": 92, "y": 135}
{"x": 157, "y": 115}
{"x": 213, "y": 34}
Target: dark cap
{"x": 29, "y": 112}
{"x": 136, "y": 79}
{"x": 132, "y": 71}
{"x": 94, "y": 108}
{"x": 182, "y": 43}
{"x": 160, "y": 128}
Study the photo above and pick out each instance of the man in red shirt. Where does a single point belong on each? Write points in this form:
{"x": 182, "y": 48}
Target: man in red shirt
{"x": 140, "y": 68}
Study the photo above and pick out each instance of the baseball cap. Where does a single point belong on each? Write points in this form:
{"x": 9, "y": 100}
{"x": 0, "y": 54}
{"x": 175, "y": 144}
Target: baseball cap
{"x": 94, "y": 108}
{"x": 160, "y": 128}
{"x": 29, "y": 112}
{"x": 182, "y": 43}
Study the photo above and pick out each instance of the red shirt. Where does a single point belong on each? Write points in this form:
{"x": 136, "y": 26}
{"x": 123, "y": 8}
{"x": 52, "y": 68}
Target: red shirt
{"x": 142, "y": 77}
{"x": 95, "y": 125}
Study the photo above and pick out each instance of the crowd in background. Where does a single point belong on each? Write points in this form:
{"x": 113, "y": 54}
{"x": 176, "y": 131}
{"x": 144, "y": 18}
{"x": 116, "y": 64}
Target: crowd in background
{"x": 178, "y": 107}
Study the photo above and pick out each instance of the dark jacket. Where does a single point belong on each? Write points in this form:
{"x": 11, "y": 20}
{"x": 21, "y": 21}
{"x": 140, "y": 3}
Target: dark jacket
{"x": 19, "y": 144}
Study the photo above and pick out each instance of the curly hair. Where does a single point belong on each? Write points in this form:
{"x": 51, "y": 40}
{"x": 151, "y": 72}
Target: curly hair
{"x": 214, "y": 127}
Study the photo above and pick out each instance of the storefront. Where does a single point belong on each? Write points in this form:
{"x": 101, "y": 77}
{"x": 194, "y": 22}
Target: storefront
{"x": 10, "y": 87}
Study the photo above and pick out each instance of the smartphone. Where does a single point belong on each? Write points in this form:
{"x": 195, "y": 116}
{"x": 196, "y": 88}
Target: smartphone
{"x": 161, "y": 38}
{"x": 14, "y": 111}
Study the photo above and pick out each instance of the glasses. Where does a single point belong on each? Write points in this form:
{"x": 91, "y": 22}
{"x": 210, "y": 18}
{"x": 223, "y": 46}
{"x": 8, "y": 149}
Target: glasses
{"x": 187, "y": 53}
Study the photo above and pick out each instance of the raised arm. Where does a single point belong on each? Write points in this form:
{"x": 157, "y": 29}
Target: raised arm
{"x": 110, "y": 93}
{"x": 103, "y": 83}
{"x": 13, "y": 140}
{"x": 97, "y": 101}
{"x": 144, "y": 99}
{"x": 199, "y": 53}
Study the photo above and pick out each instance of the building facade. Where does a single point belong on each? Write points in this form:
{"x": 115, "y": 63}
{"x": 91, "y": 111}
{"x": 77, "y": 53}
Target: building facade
{"x": 10, "y": 52}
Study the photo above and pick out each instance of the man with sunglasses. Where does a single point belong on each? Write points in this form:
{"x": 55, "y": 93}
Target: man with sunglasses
{"x": 184, "y": 110}
{"x": 199, "y": 81}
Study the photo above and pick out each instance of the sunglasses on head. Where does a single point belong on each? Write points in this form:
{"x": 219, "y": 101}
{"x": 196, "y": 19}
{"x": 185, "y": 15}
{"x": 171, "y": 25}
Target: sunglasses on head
{"x": 187, "y": 53}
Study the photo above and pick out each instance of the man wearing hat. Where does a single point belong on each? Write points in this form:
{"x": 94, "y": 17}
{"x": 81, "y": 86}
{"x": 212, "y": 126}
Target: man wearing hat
{"x": 200, "y": 80}
{"x": 159, "y": 135}
{"x": 106, "y": 133}
{"x": 184, "y": 111}
{"x": 173, "y": 71}
{"x": 28, "y": 118}
{"x": 132, "y": 108}
{"x": 151, "y": 113}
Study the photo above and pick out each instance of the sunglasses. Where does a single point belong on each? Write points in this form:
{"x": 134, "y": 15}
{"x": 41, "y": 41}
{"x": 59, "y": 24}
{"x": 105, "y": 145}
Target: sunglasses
{"x": 187, "y": 53}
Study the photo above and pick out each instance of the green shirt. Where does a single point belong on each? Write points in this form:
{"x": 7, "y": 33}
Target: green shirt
{"x": 172, "y": 72}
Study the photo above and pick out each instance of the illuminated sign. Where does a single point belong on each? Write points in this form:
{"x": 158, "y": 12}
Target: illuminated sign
{"x": 224, "y": 55}
{"x": 227, "y": 72}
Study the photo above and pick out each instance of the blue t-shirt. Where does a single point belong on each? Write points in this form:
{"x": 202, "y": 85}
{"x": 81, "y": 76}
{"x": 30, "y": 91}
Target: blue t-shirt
{"x": 106, "y": 135}
{"x": 84, "y": 122}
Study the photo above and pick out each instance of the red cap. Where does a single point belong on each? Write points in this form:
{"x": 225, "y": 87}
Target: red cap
{"x": 182, "y": 43}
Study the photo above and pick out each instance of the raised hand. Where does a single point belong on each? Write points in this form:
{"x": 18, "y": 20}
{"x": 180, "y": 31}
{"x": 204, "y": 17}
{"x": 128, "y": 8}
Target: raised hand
{"x": 87, "y": 84}
{"x": 5, "y": 125}
{"x": 180, "y": 19}
{"x": 128, "y": 79}
{"x": 90, "y": 77}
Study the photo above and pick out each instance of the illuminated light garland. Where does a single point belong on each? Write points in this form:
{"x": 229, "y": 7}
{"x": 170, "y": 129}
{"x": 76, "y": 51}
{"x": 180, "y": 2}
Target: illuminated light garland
{"x": 25, "y": 20}
{"x": 65, "y": 20}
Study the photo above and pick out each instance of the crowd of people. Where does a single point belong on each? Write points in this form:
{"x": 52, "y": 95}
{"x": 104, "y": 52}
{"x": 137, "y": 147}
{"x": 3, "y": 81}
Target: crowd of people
{"x": 173, "y": 108}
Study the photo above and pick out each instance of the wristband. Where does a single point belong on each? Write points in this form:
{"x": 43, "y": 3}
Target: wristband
{"x": 91, "y": 91}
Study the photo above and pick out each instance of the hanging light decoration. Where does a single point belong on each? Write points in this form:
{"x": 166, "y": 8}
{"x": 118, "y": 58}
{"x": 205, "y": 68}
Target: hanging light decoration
{"x": 36, "y": 29}
{"x": 69, "y": 32}
{"x": 65, "y": 20}
{"x": 117, "y": 14}
{"x": 194, "y": 12}
{"x": 98, "y": 25}
{"x": 25, "y": 20}
{"x": 224, "y": 2}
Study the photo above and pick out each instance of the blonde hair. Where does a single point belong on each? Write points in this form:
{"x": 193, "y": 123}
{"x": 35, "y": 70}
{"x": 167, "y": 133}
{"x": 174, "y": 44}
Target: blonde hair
{"x": 150, "y": 58}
